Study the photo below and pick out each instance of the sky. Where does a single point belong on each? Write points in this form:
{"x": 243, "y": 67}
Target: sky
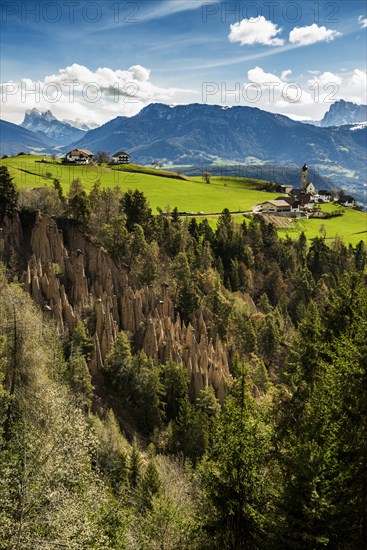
{"x": 92, "y": 61}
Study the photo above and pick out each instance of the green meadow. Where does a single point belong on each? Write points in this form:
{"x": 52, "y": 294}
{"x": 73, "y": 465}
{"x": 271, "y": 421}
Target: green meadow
{"x": 351, "y": 227}
{"x": 189, "y": 195}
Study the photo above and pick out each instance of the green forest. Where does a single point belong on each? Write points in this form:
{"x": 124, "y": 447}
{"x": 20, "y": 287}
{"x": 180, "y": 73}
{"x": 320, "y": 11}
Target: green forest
{"x": 131, "y": 454}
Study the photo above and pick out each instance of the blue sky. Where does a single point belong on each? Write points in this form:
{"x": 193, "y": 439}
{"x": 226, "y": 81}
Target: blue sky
{"x": 289, "y": 57}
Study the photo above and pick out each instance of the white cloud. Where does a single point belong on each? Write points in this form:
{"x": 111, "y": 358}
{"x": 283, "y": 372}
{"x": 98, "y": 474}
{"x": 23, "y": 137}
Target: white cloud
{"x": 301, "y": 97}
{"x": 362, "y": 21}
{"x": 298, "y": 97}
{"x": 285, "y": 73}
{"x": 312, "y": 34}
{"x": 256, "y": 30}
{"x": 357, "y": 86}
{"x": 326, "y": 78}
{"x": 140, "y": 73}
{"x": 277, "y": 94}
{"x": 259, "y": 76}
{"x": 77, "y": 92}
{"x": 168, "y": 7}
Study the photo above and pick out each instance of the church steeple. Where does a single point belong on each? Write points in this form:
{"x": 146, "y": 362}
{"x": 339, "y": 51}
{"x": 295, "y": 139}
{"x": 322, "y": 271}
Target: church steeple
{"x": 304, "y": 177}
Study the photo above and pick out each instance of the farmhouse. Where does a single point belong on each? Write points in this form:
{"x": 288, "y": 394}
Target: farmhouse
{"x": 284, "y": 189}
{"x": 324, "y": 195}
{"x": 292, "y": 201}
{"x": 79, "y": 156}
{"x": 347, "y": 200}
{"x": 279, "y": 206}
{"x": 121, "y": 157}
{"x": 306, "y": 201}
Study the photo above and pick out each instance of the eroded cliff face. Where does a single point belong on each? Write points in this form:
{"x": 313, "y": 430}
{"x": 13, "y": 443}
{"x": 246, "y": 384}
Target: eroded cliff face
{"x": 71, "y": 277}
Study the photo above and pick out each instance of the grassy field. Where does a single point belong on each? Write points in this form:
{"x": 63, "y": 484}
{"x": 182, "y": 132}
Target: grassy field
{"x": 351, "y": 227}
{"x": 236, "y": 194}
{"x": 189, "y": 196}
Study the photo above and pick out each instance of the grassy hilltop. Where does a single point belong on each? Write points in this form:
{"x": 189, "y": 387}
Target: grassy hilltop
{"x": 165, "y": 189}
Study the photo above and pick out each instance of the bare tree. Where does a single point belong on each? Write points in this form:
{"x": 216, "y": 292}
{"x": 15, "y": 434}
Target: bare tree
{"x": 207, "y": 177}
{"x": 102, "y": 157}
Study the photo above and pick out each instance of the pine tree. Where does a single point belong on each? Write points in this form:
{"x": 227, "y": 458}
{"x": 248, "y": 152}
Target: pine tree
{"x": 8, "y": 194}
{"x": 340, "y": 414}
{"x": 135, "y": 466}
{"x": 233, "y": 472}
{"x": 80, "y": 379}
{"x": 118, "y": 365}
{"x": 115, "y": 238}
{"x": 136, "y": 208}
{"x": 147, "y": 394}
{"x": 150, "y": 486}
{"x": 190, "y": 431}
{"x": 137, "y": 248}
{"x": 58, "y": 189}
{"x": 176, "y": 383}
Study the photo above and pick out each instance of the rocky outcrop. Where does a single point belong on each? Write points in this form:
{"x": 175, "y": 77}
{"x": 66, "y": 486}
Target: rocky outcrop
{"x": 71, "y": 277}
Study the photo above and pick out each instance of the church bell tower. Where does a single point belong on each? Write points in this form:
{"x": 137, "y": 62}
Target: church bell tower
{"x": 304, "y": 177}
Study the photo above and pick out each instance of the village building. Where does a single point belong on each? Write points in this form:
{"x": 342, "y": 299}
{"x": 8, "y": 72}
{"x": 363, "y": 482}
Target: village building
{"x": 324, "y": 195}
{"x": 310, "y": 188}
{"x": 281, "y": 205}
{"x": 121, "y": 158}
{"x": 78, "y": 156}
{"x": 306, "y": 200}
{"x": 347, "y": 200}
{"x": 307, "y": 187}
{"x": 299, "y": 203}
{"x": 284, "y": 189}
{"x": 292, "y": 201}
{"x": 275, "y": 206}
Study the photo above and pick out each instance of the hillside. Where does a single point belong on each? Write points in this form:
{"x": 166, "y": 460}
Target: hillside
{"x": 166, "y": 190}
{"x": 14, "y": 139}
{"x": 191, "y": 195}
{"x": 155, "y": 372}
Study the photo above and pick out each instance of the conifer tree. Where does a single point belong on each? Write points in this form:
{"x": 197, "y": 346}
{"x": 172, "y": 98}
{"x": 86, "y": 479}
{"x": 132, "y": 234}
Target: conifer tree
{"x": 135, "y": 466}
{"x": 150, "y": 485}
{"x": 8, "y": 194}
{"x": 233, "y": 471}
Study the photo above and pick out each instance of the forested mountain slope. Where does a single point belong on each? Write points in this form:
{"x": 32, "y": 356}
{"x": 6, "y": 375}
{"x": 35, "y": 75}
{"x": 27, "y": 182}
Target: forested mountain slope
{"x": 167, "y": 385}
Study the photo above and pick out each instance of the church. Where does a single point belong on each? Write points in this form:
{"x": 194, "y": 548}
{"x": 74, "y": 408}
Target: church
{"x": 305, "y": 186}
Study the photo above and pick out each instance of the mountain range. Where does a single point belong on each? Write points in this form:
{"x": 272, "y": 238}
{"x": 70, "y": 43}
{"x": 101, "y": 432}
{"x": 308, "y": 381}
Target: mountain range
{"x": 198, "y": 134}
{"x": 46, "y": 125}
{"x": 344, "y": 112}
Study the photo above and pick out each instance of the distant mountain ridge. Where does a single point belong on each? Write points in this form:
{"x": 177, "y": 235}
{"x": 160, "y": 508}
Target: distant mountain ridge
{"x": 344, "y": 112}
{"x": 198, "y": 134}
{"x": 46, "y": 124}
